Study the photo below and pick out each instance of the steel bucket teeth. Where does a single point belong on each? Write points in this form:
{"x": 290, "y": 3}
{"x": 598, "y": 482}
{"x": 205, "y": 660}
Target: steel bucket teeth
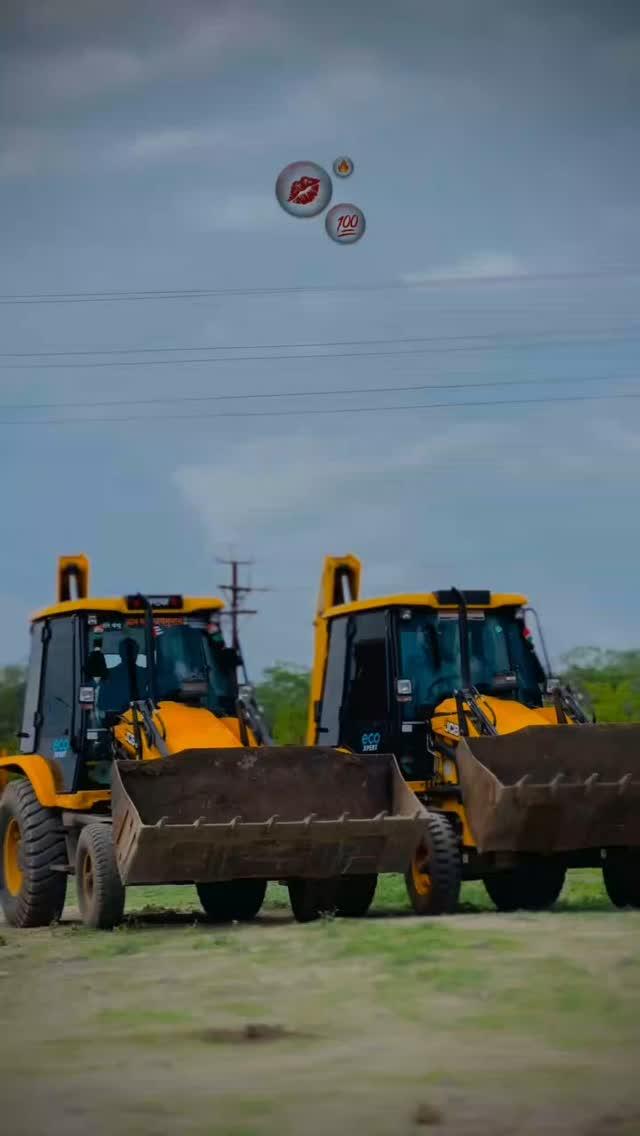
{"x": 553, "y": 789}
{"x": 268, "y": 813}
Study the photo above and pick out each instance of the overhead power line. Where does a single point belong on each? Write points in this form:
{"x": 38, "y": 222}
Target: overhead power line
{"x": 572, "y": 306}
{"x": 322, "y": 392}
{"x": 460, "y": 405}
{"x": 292, "y": 346}
{"x": 428, "y": 281}
{"x": 451, "y": 344}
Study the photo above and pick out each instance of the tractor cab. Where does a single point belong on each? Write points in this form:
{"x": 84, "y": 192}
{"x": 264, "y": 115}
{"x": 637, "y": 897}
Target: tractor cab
{"x": 91, "y": 659}
{"x": 392, "y": 663}
{"x": 501, "y": 657}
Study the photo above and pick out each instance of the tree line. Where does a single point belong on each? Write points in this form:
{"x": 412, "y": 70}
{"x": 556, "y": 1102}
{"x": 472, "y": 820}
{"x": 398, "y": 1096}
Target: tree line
{"x": 609, "y": 680}
{"x": 283, "y": 694}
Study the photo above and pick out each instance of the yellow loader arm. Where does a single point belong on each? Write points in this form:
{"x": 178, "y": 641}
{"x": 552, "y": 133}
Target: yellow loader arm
{"x": 171, "y": 728}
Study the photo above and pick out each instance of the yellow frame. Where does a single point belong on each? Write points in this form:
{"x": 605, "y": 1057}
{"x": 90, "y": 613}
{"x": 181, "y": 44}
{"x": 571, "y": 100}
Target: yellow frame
{"x": 41, "y": 774}
{"x": 423, "y": 599}
{"x": 190, "y": 605}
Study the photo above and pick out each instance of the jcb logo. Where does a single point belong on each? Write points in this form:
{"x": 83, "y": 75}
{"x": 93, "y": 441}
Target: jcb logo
{"x": 370, "y": 742}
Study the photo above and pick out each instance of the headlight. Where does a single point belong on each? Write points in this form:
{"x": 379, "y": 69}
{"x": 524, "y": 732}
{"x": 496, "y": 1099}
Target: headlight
{"x": 449, "y": 770}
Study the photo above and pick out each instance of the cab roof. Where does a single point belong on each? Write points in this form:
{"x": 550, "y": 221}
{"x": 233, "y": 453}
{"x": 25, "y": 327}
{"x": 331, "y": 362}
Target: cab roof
{"x": 187, "y": 606}
{"x": 431, "y": 600}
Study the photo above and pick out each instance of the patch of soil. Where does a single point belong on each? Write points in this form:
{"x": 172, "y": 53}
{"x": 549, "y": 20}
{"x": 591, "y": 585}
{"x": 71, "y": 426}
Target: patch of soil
{"x": 426, "y": 1114}
{"x": 252, "y": 1031}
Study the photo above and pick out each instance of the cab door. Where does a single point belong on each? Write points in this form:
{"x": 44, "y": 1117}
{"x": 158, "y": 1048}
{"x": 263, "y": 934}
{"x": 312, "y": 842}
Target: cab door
{"x": 366, "y": 716}
{"x": 56, "y": 713}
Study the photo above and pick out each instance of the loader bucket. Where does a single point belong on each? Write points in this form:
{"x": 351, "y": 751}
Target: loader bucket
{"x": 553, "y": 788}
{"x": 268, "y": 813}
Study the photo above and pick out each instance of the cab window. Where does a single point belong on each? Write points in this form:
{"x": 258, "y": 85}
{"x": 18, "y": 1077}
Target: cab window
{"x": 366, "y": 692}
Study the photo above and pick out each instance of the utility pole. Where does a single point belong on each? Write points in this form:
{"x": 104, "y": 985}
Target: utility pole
{"x": 238, "y": 593}
{"x": 249, "y": 712}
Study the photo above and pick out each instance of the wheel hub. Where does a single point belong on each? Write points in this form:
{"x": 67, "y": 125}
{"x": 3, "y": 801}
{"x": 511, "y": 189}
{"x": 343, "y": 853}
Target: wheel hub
{"x": 420, "y": 873}
{"x": 87, "y": 876}
{"x": 12, "y": 865}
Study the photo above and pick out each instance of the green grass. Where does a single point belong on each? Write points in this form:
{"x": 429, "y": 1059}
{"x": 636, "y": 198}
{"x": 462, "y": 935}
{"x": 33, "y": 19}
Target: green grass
{"x": 583, "y": 891}
{"x": 134, "y": 1017}
{"x": 270, "y": 1029}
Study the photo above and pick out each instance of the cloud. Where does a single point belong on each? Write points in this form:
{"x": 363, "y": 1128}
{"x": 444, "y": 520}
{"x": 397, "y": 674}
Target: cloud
{"x": 382, "y": 489}
{"x": 238, "y": 212}
{"x": 284, "y": 477}
{"x": 22, "y": 152}
{"x": 167, "y": 144}
{"x": 366, "y": 467}
{"x": 478, "y": 266}
{"x": 302, "y": 113}
{"x": 620, "y": 438}
{"x": 203, "y": 38}
{"x": 73, "y": 75}
{"x": 29, "y": 151}
{"x": 79, "y": 74}
{"x": 76, "y": 49}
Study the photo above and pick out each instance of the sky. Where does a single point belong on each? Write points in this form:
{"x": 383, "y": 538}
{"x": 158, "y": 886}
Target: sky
{"x": 497, "y": 160}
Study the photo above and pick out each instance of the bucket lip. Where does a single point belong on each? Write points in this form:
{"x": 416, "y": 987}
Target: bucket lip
{"x": 344, "y": 824}
{"x": 363, "y": 807}
{"x": 293, "y": 849}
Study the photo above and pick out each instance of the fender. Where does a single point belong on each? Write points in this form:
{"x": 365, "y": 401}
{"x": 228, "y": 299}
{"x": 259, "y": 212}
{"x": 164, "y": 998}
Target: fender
{"x": 452, "y": 805}
{"x": 41, "y": 774}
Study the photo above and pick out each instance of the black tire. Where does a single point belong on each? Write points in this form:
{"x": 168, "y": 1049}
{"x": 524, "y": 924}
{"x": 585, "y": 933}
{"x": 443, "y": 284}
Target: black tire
{"x": 232, "y": 899}
{"x": 528, "y": 887}
{"x": 434, "y": 877}
{"x": 354, "y": 895}
{"x": 101, "y": 894}
{"x": 32, "y": 846}
{"x": 312, "y": 898}
{"x": 621, "y": 875}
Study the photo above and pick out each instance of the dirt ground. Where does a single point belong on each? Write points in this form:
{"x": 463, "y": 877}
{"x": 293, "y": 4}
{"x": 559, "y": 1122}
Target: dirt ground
{"x": 475, "y": 1023}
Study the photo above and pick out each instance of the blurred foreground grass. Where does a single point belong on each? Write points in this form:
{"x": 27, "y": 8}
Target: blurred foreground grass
{"x": 482, "y": 1022}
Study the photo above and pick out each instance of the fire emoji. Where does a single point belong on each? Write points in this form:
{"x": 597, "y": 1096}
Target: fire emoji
{"x": 343, "y": 167}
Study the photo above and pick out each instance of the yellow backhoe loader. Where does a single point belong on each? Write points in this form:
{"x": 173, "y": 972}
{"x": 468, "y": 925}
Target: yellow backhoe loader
{"x": 143, "y": 760}
{"x": 519, "y": 783}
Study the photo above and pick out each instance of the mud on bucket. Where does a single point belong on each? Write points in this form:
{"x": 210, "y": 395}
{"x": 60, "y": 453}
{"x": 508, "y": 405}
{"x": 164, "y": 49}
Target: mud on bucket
{"x": 553, "y": 789}
{"x": 268, "y": 813}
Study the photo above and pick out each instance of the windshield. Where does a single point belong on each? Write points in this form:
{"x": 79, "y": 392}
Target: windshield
{"x": 183, "y": 649}
{"x": 430, "y": 656}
